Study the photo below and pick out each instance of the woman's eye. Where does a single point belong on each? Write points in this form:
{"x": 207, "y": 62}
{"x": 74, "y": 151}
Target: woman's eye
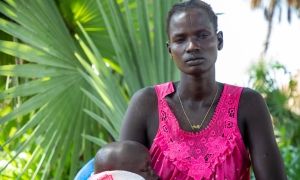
{"x": 179, "y": 40}
{"x": 203, "y": 35}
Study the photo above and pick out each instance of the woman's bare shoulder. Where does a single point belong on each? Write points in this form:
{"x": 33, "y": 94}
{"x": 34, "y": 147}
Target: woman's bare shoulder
{"x": 251, "y": 99}
{"x": 146, "y": 93}
{"x": 141, "y": 107}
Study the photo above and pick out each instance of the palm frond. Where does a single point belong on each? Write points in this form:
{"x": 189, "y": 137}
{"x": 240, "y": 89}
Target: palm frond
{"x": 53, "y": 90}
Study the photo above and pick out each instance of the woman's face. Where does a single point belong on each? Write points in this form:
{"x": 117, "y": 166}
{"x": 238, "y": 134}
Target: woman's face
{"x": 193, "y": 41}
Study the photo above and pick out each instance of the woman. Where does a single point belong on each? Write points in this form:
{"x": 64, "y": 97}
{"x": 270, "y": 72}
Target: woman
{"x": 198, "y": 128}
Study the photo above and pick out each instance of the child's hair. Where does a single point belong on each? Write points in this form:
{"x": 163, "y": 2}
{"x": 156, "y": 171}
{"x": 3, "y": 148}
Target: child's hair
{"x": 193, "y": 4}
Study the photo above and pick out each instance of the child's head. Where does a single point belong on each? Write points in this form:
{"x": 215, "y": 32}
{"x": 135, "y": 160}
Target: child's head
{"x": 125, "y": 155}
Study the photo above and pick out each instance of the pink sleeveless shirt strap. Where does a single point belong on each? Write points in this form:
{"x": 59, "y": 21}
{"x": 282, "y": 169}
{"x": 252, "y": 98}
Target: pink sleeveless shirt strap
{"x": 163, "y": 89}
{"x": 233, "y": 94}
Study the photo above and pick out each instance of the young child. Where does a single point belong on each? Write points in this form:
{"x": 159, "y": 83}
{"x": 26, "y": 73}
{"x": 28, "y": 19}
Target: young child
{"x": 123, "y": 160}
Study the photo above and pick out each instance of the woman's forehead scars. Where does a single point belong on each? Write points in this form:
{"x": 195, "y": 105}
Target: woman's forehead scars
{"x": 189, "y": 14}
{"x": 188, "y": 29}
{"x": 188, "y": 19}
{"x": 178, "y": 17}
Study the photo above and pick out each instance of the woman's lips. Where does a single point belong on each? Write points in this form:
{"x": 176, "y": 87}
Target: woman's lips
{"x": 194, "y": 61}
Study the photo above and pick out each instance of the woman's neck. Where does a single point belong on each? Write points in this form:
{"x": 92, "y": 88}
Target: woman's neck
{"x": 197, "y": 88}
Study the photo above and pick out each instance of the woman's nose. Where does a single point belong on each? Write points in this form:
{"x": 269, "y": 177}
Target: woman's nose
{"x": 192, "y": 45}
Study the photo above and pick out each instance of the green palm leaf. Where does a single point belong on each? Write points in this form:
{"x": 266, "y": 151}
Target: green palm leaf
{"x": 52, "y": 94}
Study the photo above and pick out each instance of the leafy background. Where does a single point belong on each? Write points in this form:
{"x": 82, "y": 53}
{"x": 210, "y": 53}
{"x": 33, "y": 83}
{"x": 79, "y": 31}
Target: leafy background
{"x": 69, "y": 67}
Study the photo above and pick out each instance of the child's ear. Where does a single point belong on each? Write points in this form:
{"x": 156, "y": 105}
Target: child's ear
{"x": 220, "y": 40}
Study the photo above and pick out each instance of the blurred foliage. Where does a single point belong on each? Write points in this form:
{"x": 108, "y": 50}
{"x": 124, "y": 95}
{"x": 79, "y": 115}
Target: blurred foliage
{"x": 271, "y": 5}
{"x": 272, "y": 8}
{"x": 279, "y": 95}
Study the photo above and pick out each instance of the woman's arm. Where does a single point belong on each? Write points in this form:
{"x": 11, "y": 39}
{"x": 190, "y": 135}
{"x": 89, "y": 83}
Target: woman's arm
{"x": 137, "y": 117}
{"x": 259, "y": 137}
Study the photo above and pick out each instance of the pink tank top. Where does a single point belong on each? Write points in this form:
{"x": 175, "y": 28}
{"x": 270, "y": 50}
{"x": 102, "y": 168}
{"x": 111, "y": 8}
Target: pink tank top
{"x": 216, "y": 152}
